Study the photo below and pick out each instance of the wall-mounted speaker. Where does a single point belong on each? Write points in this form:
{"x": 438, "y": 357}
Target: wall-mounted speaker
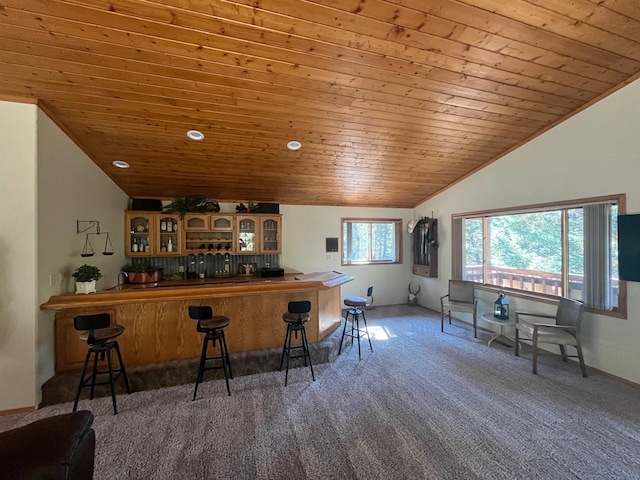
{"x": 332, "y": 244}
{"x": 268, "y": 208}
{"x": 146, "y": 204}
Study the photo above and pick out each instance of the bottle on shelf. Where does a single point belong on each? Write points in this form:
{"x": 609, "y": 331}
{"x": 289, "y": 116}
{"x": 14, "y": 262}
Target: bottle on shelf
{"x": 134, "y": 247}
{"x": 227, "y": 266}
{"x": 163, "y": 225}
{"x": 169, "y": 245}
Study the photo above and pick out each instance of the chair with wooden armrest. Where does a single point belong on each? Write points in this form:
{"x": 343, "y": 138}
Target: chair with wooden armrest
{"x": 565, "y": 331}
{"x": 461, "y": 298}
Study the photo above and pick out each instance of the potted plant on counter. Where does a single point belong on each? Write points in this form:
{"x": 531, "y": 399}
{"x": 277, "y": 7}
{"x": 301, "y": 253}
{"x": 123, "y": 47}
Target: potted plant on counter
{"x": 86, "y": 277}
{"x": 142, "y": 273}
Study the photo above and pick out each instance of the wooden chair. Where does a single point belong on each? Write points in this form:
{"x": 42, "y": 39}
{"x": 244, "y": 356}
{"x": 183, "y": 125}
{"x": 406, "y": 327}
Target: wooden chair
{"x": 461, "y": 298}
{"x": 565, "y": 331}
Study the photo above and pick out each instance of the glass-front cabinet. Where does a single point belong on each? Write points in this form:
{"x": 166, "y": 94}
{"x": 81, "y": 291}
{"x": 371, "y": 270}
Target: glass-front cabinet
{"x": 155, "y": 234}
{"x": 139, "y": 228}
{"x": 169, "y": 239}
{"x": 270, "y": 234}
{"x": 247, "y": 228}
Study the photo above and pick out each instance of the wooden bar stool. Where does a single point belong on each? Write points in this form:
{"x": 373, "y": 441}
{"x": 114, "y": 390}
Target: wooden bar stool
{"x": 297, "y": 315}
{"x": 100, "y": 335}
{"x": 213, "y": 328}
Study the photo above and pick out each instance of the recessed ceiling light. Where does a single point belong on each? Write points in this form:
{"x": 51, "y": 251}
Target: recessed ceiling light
{"x": 294, "y": 145}
{"x": 195, "y": 135}
{"x": 120, "y": 164}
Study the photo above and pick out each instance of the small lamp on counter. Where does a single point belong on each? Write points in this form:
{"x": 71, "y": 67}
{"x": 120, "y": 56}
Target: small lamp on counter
{"x": 501, "y": 307}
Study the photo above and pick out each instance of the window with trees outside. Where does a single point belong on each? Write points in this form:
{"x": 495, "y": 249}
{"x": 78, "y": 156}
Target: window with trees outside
{"x": 371, "y": 241}
{"x": 568, "y": 250}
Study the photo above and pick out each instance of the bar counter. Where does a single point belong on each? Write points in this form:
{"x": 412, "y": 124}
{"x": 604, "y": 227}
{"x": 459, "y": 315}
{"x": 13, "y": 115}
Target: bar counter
{"x": 158, "y": 327}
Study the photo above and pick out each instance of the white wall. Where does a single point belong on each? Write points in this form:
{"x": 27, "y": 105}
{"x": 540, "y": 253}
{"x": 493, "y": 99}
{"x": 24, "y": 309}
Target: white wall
{"x": 305, "y": 229}
{"x": 47, "y": 183}
{"x": 71, "y": 187}
{"x": 596, "y": 152}
{"x": 18, "y": 255}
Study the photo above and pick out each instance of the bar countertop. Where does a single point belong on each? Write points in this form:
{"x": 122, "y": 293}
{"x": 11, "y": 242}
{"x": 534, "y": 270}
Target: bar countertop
{"x": 166, "y": 290}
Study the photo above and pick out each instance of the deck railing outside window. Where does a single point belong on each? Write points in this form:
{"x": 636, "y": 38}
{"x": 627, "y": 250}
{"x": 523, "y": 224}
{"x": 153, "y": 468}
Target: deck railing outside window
{"x": 533, "y": 281}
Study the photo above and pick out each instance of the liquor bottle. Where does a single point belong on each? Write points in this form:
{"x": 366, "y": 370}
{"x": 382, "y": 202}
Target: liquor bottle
{"x": 163, "y": 225}
{"x": 169, "y": 246}
{"x": 134, "y": 247}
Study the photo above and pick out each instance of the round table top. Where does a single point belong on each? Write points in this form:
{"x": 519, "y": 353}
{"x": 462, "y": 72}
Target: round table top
{"x": 490, "y": 318}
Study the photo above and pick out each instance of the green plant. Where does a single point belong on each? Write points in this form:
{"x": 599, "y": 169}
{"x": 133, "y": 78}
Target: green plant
{"x": 87, "y": 273}
{"x": 140, "y": 267}
{"x": 183, "y": 205}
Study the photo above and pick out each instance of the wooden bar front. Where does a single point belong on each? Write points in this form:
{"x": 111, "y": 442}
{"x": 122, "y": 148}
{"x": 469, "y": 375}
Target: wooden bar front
{"x": 158, "y": 327}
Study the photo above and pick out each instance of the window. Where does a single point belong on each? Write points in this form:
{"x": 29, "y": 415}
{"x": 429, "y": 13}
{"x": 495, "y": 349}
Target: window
{"x": 367, "y": 241}
{"x": 567, "y": 249}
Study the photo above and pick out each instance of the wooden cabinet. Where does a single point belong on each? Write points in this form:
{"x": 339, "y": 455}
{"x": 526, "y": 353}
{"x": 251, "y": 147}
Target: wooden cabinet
{"x": 139, "y": 234}
{"x": 70, "y": 351}
{"x": 218, "y": 237}
{"x": 195, "y": 223}
{"x": 259, "y": 234}
{"x": 155, "y": 234}
{"x": 247, "y": 234}
{"x": 152, "y": 234}
{"x": 168, "y": 241}
{"x": 425, "y": 248}
{"x": 270, "y": 234}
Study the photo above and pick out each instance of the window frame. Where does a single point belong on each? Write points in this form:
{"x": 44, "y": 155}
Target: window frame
{"x": 397, "y": 222}
{"x": 619, "y": 199}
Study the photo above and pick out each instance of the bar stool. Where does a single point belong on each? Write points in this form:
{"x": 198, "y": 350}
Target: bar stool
{"x": 356, "y": 305}
{"x": 213, "y": 328}
{"x": 100, "y": 335}
{"x": 297, "y": 315}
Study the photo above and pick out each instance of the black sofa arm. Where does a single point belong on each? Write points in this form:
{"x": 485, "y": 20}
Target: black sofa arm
{"x": 60, "y": 447}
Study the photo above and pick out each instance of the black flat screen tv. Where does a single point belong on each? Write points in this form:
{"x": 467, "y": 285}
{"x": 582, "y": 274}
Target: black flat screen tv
{"x": 629, "y": 247}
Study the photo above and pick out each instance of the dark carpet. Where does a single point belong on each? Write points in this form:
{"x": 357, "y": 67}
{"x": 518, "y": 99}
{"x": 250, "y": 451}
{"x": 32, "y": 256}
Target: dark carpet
{"x": 423, "y": 405}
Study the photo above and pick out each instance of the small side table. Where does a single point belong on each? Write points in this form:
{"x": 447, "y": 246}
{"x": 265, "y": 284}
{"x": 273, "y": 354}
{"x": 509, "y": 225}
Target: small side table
{"x": 489, "y": 318}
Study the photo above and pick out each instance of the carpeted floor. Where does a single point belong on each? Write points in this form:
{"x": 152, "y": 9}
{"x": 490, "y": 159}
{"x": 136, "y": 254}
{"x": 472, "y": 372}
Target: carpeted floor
{"x": 422, "y": 405}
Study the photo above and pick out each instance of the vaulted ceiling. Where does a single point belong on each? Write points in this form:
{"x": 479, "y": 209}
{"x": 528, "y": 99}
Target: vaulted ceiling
{"x": 392, "y": 100}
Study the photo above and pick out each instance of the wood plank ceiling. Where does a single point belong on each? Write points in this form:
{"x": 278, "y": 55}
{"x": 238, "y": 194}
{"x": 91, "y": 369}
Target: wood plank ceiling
{"x": 392, "y": 100}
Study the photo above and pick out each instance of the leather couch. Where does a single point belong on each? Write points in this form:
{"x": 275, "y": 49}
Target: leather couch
{"x": 60, "y": 447}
